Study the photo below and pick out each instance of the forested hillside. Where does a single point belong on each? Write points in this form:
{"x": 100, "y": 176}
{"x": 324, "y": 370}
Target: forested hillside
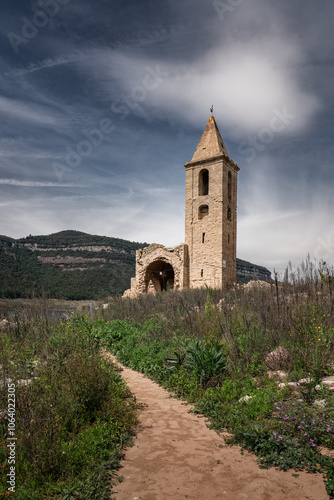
{"x": 66, "y": 265}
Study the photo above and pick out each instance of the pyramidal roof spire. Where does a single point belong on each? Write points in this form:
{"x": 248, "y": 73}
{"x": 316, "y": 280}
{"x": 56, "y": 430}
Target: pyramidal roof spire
{"x": 211, "y": 143}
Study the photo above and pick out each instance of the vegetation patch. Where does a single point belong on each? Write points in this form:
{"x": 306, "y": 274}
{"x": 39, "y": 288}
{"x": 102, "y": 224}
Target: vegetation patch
{"x": 207, "y": 346}
{"x": 211, "y": 347}
{"x": 74, "y": 413}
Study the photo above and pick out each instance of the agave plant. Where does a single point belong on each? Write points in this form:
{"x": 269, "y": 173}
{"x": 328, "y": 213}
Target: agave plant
{"x": 206, "y": 361}
{"x": 175, "y": 363}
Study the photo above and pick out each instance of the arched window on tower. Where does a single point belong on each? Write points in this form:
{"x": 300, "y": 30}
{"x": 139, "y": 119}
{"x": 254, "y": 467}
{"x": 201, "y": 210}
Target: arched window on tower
{"x": 229, "y": 214}
{"x": 229, "y": 186}
{"x": 203, "y": 184}
{"x": 203, "y": 211}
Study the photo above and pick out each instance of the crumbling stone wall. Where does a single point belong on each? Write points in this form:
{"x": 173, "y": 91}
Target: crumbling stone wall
{"x": 158, "y": 267}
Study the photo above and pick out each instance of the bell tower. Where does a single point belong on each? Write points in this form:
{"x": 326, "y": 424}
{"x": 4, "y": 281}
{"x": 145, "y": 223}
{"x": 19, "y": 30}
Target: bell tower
{"x": 211, "y": 212}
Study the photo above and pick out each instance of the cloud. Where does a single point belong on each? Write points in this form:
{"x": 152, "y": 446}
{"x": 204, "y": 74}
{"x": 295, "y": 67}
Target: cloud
{"x": 281, "y": 219}
{"x": 22, "y": 183}
{"x": 246, "y": 84}
{"x": 274, "y": 239}
{"x": 246, "y": 76}
{"x": 263, "y": 57}
{"x": 133, "y": 214}
{"x": 27, "y": 112}
{"x": 26, "y": 153}
{"x": 46, "y": 64}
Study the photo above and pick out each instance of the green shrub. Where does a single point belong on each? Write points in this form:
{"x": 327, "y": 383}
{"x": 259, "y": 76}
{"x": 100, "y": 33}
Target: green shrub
{"x": 207, "y": 361}
{"x": 73, "y": 417}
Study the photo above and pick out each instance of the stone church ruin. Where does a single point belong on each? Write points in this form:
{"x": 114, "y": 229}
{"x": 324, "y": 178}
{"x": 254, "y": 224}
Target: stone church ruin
{"x": 208, "y": 256}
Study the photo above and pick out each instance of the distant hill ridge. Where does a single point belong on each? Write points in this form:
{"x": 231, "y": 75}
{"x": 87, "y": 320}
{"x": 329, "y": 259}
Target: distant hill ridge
{"x": 77, "y": 266}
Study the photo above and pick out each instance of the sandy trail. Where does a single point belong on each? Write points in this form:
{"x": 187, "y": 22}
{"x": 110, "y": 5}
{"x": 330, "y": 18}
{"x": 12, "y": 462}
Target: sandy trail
{"x": 175, "y": 456}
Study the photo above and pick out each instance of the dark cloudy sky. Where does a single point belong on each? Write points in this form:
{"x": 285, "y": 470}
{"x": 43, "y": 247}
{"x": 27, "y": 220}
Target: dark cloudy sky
{"x": 103, "y": 102}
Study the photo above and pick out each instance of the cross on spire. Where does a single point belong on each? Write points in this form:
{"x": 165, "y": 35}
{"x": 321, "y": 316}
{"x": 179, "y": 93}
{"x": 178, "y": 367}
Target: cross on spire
{"x": 211, "y": 109}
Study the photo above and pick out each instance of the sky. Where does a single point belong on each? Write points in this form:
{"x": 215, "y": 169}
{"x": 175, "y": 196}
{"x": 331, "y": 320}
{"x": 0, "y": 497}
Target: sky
{"x": 103, "y": 102}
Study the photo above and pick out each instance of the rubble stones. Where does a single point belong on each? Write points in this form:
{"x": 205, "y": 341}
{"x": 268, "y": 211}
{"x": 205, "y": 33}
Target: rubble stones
{"x": 4, "y": 324}
{"x": 261, "y": 285}
{"x": 278, "y": 359}
{"x": 279, "y": 375}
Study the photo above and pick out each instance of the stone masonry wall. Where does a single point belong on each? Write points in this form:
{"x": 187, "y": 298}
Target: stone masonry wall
{"x": 229, "y": 242}
{"x": 211, "y": 238}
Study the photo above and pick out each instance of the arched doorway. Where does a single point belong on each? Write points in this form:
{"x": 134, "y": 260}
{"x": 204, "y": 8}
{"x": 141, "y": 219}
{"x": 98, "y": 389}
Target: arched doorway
{"x": 159, "y": 277}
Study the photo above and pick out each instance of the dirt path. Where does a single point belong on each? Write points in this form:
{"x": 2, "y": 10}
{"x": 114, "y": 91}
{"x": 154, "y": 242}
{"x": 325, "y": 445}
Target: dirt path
{"x": 175, "y": 456}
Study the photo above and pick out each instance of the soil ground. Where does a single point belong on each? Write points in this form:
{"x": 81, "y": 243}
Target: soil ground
{"x": 175, "y": 456}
